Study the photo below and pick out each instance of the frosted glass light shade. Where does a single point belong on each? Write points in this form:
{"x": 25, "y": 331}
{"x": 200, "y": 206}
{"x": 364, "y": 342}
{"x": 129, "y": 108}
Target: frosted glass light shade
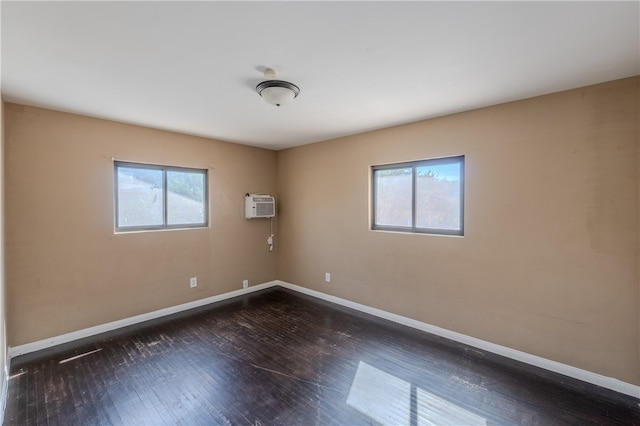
{"x": 277, "y": 92}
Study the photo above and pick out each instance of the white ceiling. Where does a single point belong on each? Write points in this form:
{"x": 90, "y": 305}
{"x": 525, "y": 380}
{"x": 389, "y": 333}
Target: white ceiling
{"x": 192, "y": 67}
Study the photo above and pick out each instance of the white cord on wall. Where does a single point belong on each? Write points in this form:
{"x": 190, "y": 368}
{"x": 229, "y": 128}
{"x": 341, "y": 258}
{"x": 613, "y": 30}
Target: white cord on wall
{"x": 270, "y": 239}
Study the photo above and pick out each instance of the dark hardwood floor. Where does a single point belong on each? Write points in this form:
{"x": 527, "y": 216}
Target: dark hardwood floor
{"x": 278, "y": 357}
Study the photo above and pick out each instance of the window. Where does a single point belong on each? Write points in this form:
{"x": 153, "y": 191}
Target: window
{"x": 421, "y": 196}
{"x": 160, "y": 197}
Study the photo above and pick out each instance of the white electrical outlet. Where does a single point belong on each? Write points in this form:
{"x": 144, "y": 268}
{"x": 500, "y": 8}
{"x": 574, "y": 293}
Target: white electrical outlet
{"x": 245, "y": 283}
{"x": 327, "y": 277}
{"x": 193, "y": 282}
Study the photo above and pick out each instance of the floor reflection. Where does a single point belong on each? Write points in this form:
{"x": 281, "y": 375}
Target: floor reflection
{"x": 390, "y": 400}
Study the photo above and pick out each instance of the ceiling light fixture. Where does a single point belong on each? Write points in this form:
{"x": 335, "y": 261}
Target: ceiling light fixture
{"x": 276, "y": 92}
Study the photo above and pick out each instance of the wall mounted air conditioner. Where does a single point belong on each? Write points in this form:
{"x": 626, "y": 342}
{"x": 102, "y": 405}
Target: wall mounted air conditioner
{"x": 257, "y": 206}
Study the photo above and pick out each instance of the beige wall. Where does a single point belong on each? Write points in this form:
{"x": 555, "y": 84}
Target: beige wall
{"x": 549, "y": 261}
{"x": 3, "y": 332}
{"x": 66, "y": 269}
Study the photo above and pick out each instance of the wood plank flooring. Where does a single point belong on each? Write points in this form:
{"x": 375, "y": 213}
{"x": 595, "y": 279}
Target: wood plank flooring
{"x": 277, "y": 357}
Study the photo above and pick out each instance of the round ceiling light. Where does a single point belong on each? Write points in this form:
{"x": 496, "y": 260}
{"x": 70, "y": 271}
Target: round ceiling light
{"x": 276, "y": 92}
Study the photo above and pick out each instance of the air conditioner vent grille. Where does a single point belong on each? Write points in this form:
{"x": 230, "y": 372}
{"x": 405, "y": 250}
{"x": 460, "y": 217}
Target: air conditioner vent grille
{"x": 264, "y": 209}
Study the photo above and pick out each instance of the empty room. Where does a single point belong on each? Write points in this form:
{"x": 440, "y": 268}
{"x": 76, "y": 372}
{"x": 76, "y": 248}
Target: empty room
{"x": 313, "y": 213}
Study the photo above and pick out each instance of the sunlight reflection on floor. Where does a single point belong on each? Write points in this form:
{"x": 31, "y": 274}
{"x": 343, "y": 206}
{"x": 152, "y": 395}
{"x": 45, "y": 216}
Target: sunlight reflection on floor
{"x": 392, "y": 401}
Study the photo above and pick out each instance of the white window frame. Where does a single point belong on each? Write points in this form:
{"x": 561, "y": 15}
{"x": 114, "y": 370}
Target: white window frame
{"x": 413, "y": 165}
{"x": 164, "y": 169}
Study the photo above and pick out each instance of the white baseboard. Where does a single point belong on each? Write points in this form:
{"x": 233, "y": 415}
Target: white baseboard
{"x": 547, "y": 364}
{"x": 557, "y": 367}
{"x": 92, "y": 331}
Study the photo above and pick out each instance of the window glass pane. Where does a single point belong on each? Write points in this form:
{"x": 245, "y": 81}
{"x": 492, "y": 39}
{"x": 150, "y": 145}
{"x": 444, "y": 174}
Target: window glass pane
{"x": 393, "y": 197}
{"x": 438, "y": 196}
{"x": 185, "y": 198}
{"x": 139, "y": 197}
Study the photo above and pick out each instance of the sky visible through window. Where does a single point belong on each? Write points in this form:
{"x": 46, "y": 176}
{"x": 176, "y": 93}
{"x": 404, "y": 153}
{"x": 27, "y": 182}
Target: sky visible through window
{"x": 437, "y": 192}
{"x": 156, "y": 198}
